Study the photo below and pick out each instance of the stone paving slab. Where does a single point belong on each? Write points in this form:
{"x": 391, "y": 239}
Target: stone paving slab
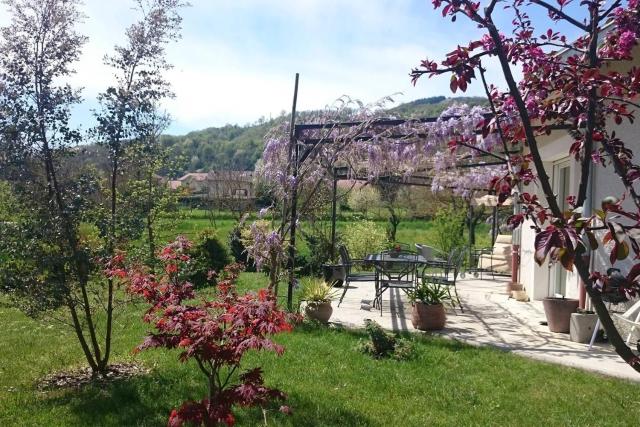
{"x": 490, "y": 317}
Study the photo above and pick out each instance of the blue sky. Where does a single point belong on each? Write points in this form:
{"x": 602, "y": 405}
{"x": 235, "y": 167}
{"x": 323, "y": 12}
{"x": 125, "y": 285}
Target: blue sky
{"x": 237, "y": 58}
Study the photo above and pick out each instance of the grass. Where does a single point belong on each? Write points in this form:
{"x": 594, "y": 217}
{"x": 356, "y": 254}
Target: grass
{"x": 328, "y": 382}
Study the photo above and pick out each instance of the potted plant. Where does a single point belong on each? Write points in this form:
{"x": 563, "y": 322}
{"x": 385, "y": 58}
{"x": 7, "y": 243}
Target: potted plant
{"x": 317, "y": 296}
{"x": 427, "y": 301}
{"x": 583, "y": 322}
{"x": 558, "y": 312}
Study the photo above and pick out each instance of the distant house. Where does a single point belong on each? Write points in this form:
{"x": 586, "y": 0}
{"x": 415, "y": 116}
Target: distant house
{"x": 230, "y": 185}
{"x": 195, "y": 183}
{"x": 225, "y": 186}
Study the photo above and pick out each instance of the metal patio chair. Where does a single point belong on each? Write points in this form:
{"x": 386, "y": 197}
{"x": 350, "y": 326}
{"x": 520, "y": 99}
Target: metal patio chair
{"x": 397, "y": 272}
{"x": 350, "y": 274}
{"x": 446, "y": 274}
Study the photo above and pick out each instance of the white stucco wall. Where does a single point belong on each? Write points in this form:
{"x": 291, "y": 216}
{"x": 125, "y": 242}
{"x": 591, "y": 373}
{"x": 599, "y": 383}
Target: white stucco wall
{"x": 535, "y": 278}
{"x": 553, "y": 149}
{"x": 605, "y": 183}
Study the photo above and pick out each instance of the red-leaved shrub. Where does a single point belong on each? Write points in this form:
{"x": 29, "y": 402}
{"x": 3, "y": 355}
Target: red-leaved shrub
{"x": 215, "y": 333}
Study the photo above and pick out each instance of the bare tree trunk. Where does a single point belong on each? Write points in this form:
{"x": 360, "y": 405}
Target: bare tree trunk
{"x": 150, "y": 234}
{"x": 104, "y": 362}
{"x": 80, "y": 264}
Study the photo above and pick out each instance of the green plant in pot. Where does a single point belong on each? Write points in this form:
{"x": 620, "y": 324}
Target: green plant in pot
{"x": 427, "y": 300}
{"x": 317, "y": 296}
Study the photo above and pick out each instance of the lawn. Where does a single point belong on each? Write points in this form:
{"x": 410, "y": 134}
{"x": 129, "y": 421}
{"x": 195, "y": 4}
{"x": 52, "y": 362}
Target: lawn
{"x": 329, "y": 383}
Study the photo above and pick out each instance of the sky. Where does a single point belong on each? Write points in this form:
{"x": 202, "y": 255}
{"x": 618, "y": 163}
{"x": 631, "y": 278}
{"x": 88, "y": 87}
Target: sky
{"x": 237, "y": 59}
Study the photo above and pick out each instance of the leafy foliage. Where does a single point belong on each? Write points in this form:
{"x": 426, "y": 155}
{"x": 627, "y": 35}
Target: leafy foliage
{"x": 429, "y": 293}
{"x": 208, "y": 256}
{"x": 319, "y": 245}
{"x": 383, "y": 344}
{"x": 364, "y": 237}
{"x": 237, "y": 248}
{"x": 364, "y": 199}
{"x": 449, "y": 224}
{"x": 216, "y": 333}
{"x": 316, "y": 291}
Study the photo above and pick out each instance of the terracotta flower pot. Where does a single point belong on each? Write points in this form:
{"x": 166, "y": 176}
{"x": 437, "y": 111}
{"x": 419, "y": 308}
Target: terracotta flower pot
{"x": 319, "y": 311}
{"x": 558, "y": 312}
{"x": 428, "y": 317}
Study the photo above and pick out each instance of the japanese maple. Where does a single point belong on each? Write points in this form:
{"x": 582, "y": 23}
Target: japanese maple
{"x": 216, "y": 333}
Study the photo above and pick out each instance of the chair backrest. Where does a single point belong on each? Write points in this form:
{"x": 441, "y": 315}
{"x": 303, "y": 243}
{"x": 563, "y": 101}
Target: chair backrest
{"x": 425, "y": 251}
{"x": 449, "y": 270}
{"x": 633, "y": 311}
{"x": 456, "y": 260}
{"x": 345, "y": 259}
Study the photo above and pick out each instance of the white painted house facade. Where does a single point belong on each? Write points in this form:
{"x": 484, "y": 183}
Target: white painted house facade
{"x": 564, "y": 171}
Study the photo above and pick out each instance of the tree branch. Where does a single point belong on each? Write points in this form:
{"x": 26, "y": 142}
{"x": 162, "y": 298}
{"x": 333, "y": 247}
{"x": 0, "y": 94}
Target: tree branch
{"x": 561, "y": 14}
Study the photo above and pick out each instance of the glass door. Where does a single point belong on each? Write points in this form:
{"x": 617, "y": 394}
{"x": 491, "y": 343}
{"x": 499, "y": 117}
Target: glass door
{"x": 561, "y": 187}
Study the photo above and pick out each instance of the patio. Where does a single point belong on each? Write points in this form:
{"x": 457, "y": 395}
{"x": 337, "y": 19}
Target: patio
{"x": 490, "y": 318}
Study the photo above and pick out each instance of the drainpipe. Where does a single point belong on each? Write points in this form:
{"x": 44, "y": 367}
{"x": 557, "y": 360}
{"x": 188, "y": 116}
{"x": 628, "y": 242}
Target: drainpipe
{"x": 516, "y": 238}
{"x": 587, "y": 258}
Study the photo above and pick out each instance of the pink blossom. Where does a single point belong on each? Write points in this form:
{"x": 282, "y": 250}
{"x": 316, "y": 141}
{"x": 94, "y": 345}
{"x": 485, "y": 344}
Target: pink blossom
{"x": 627, "y": 41}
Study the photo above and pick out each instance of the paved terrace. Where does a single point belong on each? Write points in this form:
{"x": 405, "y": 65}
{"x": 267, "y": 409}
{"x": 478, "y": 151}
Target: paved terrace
{"x": 490, "y": 318}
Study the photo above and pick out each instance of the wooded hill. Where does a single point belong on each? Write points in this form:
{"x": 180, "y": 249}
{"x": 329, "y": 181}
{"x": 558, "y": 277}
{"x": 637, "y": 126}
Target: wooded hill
{"x": 234, "y": 147}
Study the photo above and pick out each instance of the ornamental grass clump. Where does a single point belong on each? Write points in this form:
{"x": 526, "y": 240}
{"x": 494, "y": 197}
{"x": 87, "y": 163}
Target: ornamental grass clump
{"x": 216, "y": 333}
{"x": 315, "y": 291}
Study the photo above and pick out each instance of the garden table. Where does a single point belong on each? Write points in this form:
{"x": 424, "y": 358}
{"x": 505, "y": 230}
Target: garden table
{"x": 403, "y": 258}
{"x": 395, "y": 270}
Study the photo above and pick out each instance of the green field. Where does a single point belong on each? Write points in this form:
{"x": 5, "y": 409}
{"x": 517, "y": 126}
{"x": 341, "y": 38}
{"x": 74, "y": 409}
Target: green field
{"x": 409, "y": 231}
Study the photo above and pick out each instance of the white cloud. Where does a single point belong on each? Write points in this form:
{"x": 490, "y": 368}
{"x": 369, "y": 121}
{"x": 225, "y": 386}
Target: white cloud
{"x": 237, "y": 59}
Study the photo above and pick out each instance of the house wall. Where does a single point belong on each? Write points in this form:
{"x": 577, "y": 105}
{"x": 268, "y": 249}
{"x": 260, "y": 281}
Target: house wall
{"x": 535, "y": 278}
{"x": 605, "y": 183}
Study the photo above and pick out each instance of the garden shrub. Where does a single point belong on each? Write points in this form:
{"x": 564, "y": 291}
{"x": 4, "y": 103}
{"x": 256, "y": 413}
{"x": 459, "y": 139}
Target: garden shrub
{"x": 216, "y": 332}
{"x": 319, "y": 246}
{"x": 449, "y": 225}
{"x": 364, "y": 199}
{"x": 383, "y": 344}
{"x": 364, "y": 237}
{"x": 237, "y": 248}
{"x": 208, "y": 254}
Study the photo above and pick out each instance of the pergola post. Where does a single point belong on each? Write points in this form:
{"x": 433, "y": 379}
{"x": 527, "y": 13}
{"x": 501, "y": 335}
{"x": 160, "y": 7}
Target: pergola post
{"x": 494, "y": 225}
{"x": 334, "y": 209}
{"x": 293, "y": 156}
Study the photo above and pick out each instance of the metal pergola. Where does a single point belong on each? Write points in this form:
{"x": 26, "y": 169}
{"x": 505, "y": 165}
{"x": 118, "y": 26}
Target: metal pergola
{"x": 301, "y": 148}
